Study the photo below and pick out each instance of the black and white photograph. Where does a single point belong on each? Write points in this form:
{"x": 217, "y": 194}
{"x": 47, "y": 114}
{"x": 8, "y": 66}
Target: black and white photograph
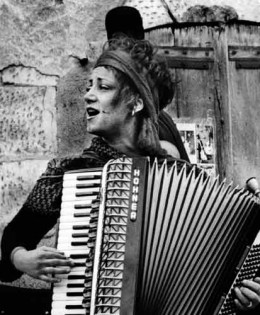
{"x": 130, "y": 157}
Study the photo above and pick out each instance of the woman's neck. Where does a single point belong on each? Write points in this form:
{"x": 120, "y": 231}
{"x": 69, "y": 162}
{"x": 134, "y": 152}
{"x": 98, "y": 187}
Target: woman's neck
{"x": 125, "y": 146}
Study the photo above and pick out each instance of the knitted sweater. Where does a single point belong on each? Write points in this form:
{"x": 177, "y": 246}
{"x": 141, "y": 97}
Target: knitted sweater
{"x": 41, "y": 210}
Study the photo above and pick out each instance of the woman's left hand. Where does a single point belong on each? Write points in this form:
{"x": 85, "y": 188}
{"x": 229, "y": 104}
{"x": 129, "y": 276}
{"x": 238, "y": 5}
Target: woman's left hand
{"x": 248, "y": 295}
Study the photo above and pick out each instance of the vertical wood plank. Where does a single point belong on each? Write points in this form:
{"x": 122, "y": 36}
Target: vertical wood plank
{"x": 194, "y": 90}
{"x": 222, "y": 105}
{"x": 245, "y": 107}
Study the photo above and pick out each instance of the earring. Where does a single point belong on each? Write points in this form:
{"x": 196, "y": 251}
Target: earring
{"x": 133, "y": 111}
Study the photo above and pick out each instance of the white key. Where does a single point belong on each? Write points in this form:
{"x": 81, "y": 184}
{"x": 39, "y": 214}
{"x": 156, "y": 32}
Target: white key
{"x": 87, "y": 182}
{"x": 64, "y": 307}
{"x": 80, "y": 213}
{"x": 69, "y": 194}
{"x": 70, "y": 252}
{"x": 71, "y": 211}
{"x": 72, "y": 236}
{"x": 68, "y": 312}
{"x": 64, "y": 290}
{"x": 69, "y": 231}
{"x": 67, "y": 236}
{"x": 79, "y": 176}
{"x": 73, "y": 246}
{"x": 68, "y": 281}
{"x": 79, "y": 269}
{"x": 61, "y": 296}
{"x": 79, "y": 274}
{"x": 76, "y": 203}
{"x": 66, "y": 247}
{"x": 71, "y": 218}
{"x": 76, "y": 226}
{"x": 81, "y": 262}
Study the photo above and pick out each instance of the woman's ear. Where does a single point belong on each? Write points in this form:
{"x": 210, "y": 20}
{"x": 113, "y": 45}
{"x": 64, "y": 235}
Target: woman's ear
{"x": 139, "y": 105}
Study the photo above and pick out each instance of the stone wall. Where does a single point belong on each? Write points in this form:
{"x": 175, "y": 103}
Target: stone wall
{"x": 40, "y": 42}
{"x": 28, "y": 132}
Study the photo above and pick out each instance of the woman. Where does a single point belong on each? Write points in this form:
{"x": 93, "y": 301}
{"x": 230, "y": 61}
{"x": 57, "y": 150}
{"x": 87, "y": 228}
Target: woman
{"x": 123, "y": 95}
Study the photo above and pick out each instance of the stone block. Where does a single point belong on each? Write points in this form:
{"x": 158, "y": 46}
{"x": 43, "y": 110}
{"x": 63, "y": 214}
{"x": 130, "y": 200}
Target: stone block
{"x": 25, "y": 76}
{"x": 16, "y": 181}
{"x": 28, "y": 122}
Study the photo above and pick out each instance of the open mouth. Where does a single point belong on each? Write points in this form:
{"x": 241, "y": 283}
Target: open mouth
{"x": 92, "y": 112}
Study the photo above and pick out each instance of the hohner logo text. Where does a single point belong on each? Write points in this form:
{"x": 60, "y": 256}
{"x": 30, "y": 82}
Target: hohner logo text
{"x": 135, "y": 191}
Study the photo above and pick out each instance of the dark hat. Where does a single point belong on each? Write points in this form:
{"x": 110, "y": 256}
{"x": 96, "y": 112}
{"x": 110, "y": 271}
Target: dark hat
{"x": 126, "y": 20}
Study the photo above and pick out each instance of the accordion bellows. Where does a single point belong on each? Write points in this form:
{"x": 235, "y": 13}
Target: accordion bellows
{"x": 165, "y": 240}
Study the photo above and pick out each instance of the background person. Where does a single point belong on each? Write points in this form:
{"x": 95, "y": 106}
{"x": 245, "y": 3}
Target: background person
{"x": 127, "y": 20}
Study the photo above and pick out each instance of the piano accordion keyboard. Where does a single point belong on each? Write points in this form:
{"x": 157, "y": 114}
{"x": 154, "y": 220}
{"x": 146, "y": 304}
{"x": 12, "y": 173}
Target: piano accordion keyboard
{"x": 80, "y": 188}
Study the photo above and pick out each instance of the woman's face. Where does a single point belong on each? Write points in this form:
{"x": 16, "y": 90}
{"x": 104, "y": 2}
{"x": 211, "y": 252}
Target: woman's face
{"x": 104, "y": 118}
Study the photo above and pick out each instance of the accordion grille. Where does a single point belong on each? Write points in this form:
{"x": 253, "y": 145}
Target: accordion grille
{"x": 190, "y": 228}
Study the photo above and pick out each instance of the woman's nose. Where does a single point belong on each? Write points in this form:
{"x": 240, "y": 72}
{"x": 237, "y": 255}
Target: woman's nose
{"x": 90, "y": 97}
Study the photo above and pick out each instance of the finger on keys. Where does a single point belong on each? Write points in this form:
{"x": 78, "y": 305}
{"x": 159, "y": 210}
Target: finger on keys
{"x": 52, "y": 249}
{"x": 62, "y": 270}
{"x": 53, "y": 272}
{"x": 60, "y": 262}
{"x": 67, "y": 262}
{"x": 53, "y": 252}
{"x": 49, "y": 278}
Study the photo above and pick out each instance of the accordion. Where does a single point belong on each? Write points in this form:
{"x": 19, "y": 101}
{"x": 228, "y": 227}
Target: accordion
{"x": 154, "y": 238}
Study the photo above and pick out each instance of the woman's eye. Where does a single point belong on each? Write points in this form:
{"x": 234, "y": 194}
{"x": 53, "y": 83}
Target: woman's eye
{"x": 104, "y": 87}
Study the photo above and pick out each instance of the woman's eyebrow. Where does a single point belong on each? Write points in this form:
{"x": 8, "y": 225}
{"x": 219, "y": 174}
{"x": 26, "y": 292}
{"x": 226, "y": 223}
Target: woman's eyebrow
{"x": 104, "y": 80}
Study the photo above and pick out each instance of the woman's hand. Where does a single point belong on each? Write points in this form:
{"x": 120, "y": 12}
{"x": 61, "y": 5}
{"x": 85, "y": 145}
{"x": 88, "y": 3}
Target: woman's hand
{"x": 248, "y": 295}
{"x": 44, "y": 263}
